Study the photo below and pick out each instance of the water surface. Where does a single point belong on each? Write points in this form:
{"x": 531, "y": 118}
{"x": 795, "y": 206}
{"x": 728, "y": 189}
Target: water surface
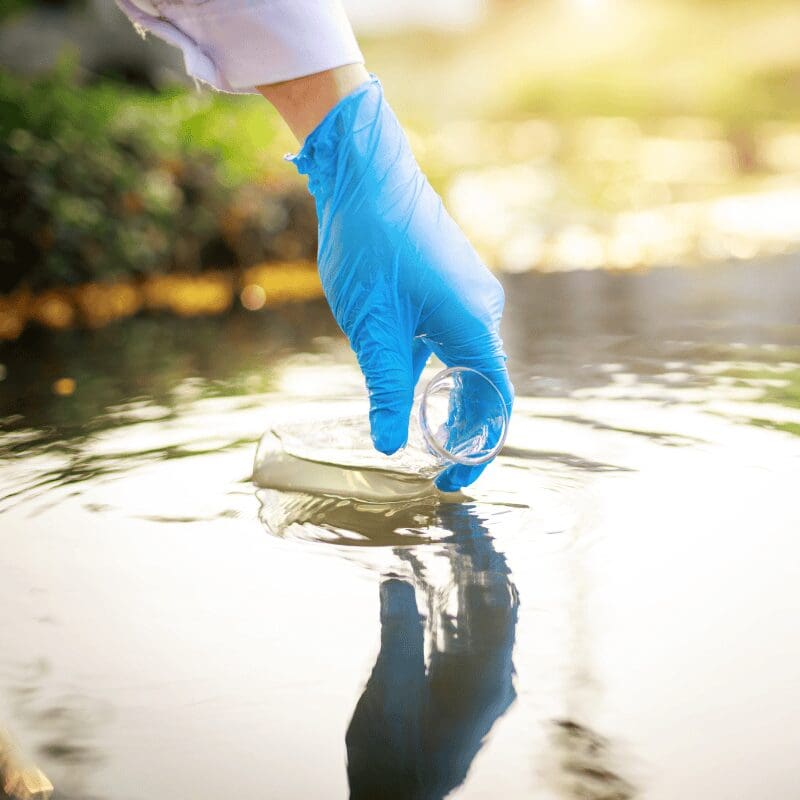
{"x": 611, "y": 612}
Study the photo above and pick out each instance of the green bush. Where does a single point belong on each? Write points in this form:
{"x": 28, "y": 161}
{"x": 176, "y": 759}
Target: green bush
{"x": 101, "y": 181}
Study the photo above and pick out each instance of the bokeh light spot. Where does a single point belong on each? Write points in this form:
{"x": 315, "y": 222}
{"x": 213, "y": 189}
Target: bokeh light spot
{"x": 253, "y": 297}
{"x": 64, "y": 387}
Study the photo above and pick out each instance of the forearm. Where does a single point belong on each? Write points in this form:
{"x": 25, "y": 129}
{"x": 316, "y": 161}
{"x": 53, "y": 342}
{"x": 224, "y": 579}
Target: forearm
{"x": 304, "y": 102}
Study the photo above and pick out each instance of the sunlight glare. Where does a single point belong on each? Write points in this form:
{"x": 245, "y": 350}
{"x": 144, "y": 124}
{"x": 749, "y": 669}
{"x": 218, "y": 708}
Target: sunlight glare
{"x": 591, "y": 7}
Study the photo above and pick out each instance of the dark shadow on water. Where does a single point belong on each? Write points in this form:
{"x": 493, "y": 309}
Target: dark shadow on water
{"x": 586, "y": 761}
{"x": 418, "y": 726}
{"x": 668, "y": 439}
{"x": 75, "y": 466}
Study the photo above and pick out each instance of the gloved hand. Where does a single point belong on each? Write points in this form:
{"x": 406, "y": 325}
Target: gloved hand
{"x": 400, "y": 276}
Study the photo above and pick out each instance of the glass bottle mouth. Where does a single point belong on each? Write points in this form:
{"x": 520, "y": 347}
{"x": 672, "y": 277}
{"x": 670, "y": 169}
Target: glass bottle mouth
{"x": 463, "y": 416}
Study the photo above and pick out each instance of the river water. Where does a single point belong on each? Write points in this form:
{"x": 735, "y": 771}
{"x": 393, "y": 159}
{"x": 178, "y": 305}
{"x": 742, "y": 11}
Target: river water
{"x": 610, "y": 612}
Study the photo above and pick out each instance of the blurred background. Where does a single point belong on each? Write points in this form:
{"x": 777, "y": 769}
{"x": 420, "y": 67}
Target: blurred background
{"x": 564, "y": 135}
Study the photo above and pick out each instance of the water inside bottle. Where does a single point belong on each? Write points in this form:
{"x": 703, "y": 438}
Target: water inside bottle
{"x": 336, "y": 457}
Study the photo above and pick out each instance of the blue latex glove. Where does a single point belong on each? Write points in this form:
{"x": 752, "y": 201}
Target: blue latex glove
{"x": 400, "y": 276}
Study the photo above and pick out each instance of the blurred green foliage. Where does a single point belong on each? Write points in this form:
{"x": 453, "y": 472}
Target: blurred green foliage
{"x": 104, "y": 180}
{"x": 10, "y": 8}
{"x": 786, "y": 427}
{"x": 781, "y": 387}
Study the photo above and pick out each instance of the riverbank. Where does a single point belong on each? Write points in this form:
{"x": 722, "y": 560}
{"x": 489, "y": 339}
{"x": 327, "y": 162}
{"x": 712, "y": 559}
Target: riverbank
{"x": 93, "y": 305}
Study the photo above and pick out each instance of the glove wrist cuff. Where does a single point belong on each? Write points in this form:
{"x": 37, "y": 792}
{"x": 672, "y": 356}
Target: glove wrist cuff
{"x": 316, "y": 158}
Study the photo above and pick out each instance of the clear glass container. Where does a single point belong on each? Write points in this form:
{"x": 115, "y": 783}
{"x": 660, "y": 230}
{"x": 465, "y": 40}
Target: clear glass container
{"x": 459, "y": 417}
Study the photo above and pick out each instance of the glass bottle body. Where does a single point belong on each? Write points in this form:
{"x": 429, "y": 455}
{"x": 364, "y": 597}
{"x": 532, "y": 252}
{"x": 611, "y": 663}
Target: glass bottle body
{"x": 458, "y": 418}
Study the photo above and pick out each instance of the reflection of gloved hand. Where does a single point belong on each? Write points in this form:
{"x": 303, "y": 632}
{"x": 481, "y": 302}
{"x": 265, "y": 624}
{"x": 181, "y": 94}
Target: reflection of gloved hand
{"x": 400, "y": 276}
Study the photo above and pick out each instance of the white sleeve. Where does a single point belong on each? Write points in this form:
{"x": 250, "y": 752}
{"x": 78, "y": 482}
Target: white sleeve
{"x": 236, "y": 45}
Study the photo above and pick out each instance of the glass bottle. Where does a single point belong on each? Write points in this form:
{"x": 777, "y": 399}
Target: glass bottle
{"x": 459, "y": 417}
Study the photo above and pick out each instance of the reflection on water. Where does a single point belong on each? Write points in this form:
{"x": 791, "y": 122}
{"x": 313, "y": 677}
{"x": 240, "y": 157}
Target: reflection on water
{"x": 346, "y": 521}
{"x": 609, "y": 613}
{"x": 420, "y": 722}
{"x": 448, "y": 614}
